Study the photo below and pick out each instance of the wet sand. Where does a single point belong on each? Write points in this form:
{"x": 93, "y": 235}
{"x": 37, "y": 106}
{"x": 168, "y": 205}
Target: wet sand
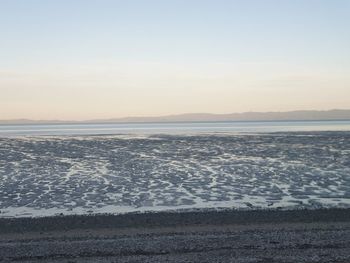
{"x": 200, "y": 236}
{"x": 45, "y": 176}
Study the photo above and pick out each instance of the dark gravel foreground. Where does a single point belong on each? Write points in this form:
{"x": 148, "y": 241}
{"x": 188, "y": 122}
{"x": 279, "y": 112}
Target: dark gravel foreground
{"x": 202, "y": 236}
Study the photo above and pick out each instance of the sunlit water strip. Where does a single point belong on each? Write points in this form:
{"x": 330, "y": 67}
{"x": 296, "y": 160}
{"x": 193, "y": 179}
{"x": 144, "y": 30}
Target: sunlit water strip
{"x": 172, "y": 128}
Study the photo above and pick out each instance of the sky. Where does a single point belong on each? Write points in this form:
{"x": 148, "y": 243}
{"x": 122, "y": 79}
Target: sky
{"x": 91, "y": 59}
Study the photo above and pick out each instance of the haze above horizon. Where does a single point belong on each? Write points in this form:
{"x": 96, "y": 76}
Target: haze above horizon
{"x": 85, "y": 59}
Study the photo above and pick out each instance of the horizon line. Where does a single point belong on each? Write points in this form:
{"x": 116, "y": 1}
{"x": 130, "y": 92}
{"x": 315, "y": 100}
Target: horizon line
{"x": 119, "y": 119}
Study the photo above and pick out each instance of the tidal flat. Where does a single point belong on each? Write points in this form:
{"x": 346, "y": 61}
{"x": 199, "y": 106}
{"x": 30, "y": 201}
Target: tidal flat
{"x": 52, "y": 175}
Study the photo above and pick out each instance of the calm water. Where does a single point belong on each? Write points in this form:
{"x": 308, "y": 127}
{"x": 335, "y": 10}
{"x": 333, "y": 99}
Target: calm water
{"x": 157, "y": 128}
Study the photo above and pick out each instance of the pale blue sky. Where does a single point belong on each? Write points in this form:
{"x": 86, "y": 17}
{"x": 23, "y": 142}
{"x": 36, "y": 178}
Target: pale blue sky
{"x": 81, "y": 59}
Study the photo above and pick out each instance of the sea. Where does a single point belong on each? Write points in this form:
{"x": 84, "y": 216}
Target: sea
{"x": 177, "y": 127}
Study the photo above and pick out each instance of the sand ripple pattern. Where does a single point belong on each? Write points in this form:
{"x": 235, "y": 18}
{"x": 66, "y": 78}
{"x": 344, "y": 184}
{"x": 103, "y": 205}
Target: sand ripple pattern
{"x": 119, "y": 173}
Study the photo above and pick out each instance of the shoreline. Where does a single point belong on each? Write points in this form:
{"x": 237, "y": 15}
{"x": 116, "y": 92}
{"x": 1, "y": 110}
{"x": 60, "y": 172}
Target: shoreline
{"x": 173, "y": 218}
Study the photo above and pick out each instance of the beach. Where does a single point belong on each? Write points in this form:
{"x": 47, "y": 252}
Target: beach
{"x": 50, "y": 175}
{"x": 200, "y": 236}
{"x": 217, "y": 197}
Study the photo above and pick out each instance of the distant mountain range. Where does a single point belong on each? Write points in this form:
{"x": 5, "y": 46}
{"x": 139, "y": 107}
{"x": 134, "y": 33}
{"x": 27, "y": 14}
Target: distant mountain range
{"x": 203, "y": 117}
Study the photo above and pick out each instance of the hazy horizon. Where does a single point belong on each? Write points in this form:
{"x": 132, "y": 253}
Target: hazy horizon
{"x": 175, "y": 114}
{"x": 312, "y": 115}
{"x": 83, "y": 60}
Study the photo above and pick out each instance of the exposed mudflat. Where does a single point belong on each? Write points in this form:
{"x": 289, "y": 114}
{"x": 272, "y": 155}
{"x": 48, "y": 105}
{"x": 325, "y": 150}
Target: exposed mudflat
{"x": 227, "y": 236}
{"x": 121, "y": 173}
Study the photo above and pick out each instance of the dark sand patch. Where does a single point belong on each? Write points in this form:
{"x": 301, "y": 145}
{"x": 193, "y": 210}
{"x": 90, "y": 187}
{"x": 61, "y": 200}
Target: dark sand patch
{"x": 226, "y": 236}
